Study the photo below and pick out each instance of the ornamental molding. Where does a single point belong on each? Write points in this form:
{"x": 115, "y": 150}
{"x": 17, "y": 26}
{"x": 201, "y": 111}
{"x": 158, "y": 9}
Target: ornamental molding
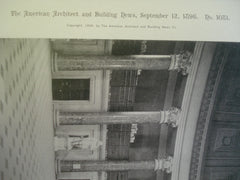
{"x": 164, "y": 164}
{"x": 205, "y": 112}
{"x": 170, "y": 117}
{"x": 181, "y": 62}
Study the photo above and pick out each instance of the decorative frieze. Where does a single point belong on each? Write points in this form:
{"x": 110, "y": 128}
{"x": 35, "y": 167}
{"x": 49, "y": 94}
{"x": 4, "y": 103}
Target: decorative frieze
{"x": 208, "y": 98}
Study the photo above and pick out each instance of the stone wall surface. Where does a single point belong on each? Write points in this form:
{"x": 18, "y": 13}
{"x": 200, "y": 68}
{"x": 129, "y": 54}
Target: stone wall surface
{"x": 26, "y": 126}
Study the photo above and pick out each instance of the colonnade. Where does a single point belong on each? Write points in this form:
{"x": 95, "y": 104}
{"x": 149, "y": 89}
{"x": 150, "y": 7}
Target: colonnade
{"x": 177, "y": 62}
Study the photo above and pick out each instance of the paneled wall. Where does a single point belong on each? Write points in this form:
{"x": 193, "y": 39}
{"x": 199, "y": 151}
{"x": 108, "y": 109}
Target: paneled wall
{"x": 26, "y": 126}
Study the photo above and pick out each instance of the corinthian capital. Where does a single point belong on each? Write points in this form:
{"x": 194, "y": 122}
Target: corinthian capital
{"x": 164, "y": 164}
{"x": 181, "y": 62}
{"x": 170, "y": 117}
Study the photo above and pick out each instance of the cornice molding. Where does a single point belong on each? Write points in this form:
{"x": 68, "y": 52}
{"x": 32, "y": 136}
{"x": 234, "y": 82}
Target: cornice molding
{"x": 206, "y": 109}
{"x": 192, "y": 99}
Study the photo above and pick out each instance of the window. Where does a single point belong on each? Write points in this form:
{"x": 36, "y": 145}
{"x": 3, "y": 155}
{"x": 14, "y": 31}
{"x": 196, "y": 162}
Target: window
{"x": 71, "y": 89}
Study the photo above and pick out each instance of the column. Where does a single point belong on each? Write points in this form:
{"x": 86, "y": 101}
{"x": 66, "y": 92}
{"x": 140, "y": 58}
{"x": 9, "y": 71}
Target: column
{"x": 179, "y": 62}
{"x": 169, "y": 117}
{"x": 164, "y": 164}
